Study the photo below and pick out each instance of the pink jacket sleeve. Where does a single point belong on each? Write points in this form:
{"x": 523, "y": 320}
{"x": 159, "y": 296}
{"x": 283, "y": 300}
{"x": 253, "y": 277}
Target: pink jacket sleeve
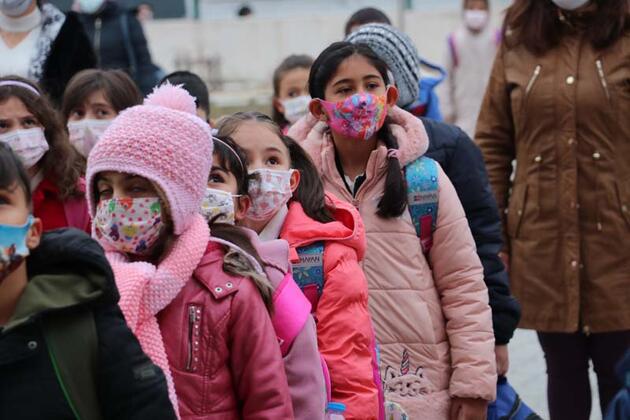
{"x": 458, "y": 275}
{"x": 256, "y": 363}
{"x": 345, "y": 334}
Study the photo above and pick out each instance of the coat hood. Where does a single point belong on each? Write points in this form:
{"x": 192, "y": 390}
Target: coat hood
{"x": 413, "y": 141}
{"x": 68, "y": 269}
{"x": 347, "y": 227}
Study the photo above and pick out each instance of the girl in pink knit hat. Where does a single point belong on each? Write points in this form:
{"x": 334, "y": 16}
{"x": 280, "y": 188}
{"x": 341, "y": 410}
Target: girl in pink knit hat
{"x": 198, "y": 308}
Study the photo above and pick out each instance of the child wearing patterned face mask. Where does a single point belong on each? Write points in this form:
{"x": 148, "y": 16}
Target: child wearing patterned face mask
{"x": 227, "y": 201}
{"x": 290, "y": 90}
{"x": 92, "y": 99}
{"x": 288, "y": 202}
{"x": 32, "y": 128}
{"x": 60, "y": 322}
{"x": 199, "y": 308}
{"x": 428, "y": 298}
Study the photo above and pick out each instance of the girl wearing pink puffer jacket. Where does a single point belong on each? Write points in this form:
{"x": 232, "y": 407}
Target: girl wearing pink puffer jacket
{"x": 198, "y": 308}
{"x": 430, "y": 312}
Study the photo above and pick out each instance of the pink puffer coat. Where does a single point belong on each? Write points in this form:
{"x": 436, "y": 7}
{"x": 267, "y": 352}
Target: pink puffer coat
{"x": 432, "y": 318}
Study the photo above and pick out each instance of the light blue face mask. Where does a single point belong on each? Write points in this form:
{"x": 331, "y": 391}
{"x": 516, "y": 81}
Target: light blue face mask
{"x": 13, "y": 247}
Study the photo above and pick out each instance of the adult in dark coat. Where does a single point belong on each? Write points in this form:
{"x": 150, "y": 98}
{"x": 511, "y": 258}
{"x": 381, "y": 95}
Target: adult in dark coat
{"x": 119, "y": 42}
{"x": 44, "y": 45}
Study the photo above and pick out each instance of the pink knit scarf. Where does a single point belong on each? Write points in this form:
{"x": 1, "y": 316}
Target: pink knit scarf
{"x": 146, "y": 289}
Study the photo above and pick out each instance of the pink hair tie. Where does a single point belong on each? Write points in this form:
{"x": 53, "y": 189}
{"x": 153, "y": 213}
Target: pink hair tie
{"x": 19, "y": 84}
{"x": 393, "y": 153}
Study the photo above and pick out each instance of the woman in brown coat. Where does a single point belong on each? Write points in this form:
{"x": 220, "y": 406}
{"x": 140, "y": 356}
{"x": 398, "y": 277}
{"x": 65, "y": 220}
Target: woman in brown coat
{"x": 558, "y": 102}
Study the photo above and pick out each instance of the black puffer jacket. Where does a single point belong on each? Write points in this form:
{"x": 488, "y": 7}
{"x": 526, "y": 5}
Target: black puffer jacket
{"x": 106, "y": 30}
{"x": 68, "y": 273}
{"x": 462, "y": 161}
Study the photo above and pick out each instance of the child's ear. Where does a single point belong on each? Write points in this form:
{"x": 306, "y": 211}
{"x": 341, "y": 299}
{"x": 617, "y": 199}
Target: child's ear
{"x": 240, "y": 210}
{"x": 392, "y": 95}
{"x": 295, "y": 180}
{"x": 277, "y": 104}
{"x": 34, "y": 236}
{"x": 316, "y": 108}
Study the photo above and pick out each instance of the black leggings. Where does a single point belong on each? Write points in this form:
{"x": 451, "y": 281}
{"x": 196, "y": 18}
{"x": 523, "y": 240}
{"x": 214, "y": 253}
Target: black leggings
{"x": 567, "y": 356}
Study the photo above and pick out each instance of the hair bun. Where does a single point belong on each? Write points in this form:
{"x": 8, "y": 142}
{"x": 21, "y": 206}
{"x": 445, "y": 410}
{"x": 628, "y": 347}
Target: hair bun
{"x": 173, "y": 97}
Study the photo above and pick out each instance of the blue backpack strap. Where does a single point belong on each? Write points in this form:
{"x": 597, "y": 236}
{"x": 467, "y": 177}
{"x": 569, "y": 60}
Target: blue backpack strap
{"x": 309, "y": 272}
{"x": 422, "y": 190}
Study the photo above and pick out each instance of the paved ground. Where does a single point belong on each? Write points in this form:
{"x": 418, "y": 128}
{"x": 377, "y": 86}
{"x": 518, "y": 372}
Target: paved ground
{"x": 527, "y": 374}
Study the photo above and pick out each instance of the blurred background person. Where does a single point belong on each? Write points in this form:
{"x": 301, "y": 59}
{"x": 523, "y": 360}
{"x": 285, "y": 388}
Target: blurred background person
{"x": 119, "y": 42}
{"x": 40, "y": 43}
{"x": 469, "y": 58}
{"x": 195, "y": 86}
{"x": 290, "y": 90}
{"x": 557, "y": 102}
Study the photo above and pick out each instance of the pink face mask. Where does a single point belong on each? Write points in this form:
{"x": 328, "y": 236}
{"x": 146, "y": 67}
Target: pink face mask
{"x": 358, "y": 116}
{"x": 130, "y": 225}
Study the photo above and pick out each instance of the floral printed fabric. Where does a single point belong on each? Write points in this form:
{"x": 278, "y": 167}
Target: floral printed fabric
{"x": 218, "y": 206}
{"x": 358, "y": 116}
{"x": 13, "y": 247}
{"x": 130, "y": 225}
{"x": 85, "y": 133}
{"x": 269, "y": 190}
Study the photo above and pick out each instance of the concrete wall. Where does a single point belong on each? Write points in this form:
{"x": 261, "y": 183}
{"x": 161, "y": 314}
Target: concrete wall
{"x": 248, "y": 50}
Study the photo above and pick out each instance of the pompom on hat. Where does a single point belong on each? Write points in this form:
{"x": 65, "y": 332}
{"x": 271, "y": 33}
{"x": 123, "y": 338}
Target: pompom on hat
{"x": 399, "y": 53}
{"x": 164, "y": 141}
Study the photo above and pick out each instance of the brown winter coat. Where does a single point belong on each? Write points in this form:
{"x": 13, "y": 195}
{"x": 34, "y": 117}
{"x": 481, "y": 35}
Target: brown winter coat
{"x": 565, "y": 117}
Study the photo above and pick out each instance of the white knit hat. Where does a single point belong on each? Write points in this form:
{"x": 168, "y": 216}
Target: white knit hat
{"x": 399, "y": 53}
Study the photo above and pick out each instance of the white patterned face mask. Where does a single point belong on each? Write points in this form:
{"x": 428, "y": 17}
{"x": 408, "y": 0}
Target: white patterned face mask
{"x": 218, "y": 206}
{"x": 85, "y": 134}
{"x": 296, "y": 108}
{"x": 30, "y": 145}
{"x": 269, "y": 190}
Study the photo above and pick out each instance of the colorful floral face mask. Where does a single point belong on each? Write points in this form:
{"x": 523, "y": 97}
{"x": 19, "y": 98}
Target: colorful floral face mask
{"x": 218, "y": 206}
{"x": 130, "y": 225}
{"x": 13, "y": 247}
{"x": 358, "y": 116}
{"x": 269, "y": 190}
{"x": 85, "y": 133}
{"x": 30, "y": 145}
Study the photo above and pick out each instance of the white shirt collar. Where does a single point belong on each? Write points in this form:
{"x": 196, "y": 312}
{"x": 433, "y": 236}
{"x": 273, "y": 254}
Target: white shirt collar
{"x": 21, "y": 24}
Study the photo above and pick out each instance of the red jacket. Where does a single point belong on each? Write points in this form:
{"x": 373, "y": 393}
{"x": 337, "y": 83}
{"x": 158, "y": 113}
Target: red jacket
{"x": 344, "y": 328}
{"x": 56, "y": 213}
{"x": 222, "y": 348}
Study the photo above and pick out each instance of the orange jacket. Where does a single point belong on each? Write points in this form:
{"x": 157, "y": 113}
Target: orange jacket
{"x": 344, "y": 328}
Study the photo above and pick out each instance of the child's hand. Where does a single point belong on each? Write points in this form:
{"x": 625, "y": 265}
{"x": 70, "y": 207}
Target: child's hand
{"x": 503, "y": 359}
{"x": 468, "y": 409}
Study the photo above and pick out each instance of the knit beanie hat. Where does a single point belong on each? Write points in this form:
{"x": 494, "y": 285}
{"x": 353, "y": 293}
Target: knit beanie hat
{"x": 163, "y": 141}
{"x": 398, "y": 52}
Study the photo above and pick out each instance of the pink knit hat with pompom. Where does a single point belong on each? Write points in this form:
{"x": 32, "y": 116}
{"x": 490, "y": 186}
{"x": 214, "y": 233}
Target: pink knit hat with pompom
{"x": 164, "y": 141}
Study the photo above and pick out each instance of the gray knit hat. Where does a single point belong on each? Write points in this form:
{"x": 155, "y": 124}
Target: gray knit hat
{"x": 398, "y": 52}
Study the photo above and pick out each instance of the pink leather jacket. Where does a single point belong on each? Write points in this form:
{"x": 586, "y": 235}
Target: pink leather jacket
{"x": 222, "y": 349}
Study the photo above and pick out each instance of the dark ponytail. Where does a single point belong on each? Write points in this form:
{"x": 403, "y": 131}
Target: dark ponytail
{"x": 310, "y": 191}
{"x": 394, "y": 200}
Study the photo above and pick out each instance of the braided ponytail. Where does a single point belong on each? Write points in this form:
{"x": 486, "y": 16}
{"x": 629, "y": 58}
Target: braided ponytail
{"x": 394, "y": 201}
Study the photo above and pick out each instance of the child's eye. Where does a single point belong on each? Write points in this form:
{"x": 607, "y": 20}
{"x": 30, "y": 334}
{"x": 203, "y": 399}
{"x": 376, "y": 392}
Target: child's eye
{"x": 105, "y": 193}
{"x": 77, "y": 113}
{"x": 344, "y": 91}
{"x": 102, "y": 113}
{"x": 29, "y": 122}
{"x": 273, "y": 161}
{"x": 372, "y": 86}
{"x": 216, "y": 179}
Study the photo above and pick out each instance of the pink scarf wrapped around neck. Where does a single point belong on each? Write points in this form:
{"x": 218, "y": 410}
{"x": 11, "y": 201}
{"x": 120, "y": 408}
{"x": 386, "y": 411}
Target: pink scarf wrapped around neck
{"x": 146, "y": 289}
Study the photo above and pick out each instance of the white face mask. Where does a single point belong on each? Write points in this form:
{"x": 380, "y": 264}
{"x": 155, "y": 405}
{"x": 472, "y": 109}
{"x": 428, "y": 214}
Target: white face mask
{"x": 30, "y": 145}
{"x": 296, "y": 108}
{"x": 14, "y": 8}
{"x": 219, "y": 204}
{"x": 85, "y": 133}
{"x": 476, "y": 19}
{"x": 90, "y": 6}
{"x": 570, "y": 4}
{"x": 269, "y": 190}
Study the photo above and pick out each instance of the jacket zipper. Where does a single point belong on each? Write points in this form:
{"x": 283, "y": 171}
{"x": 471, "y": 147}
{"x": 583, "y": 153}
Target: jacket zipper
{"x": 533, "y": 79}
{"x": 192, "y": 324}
{"x": 602, "y": 78}
{"x": 97, "y": 40}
